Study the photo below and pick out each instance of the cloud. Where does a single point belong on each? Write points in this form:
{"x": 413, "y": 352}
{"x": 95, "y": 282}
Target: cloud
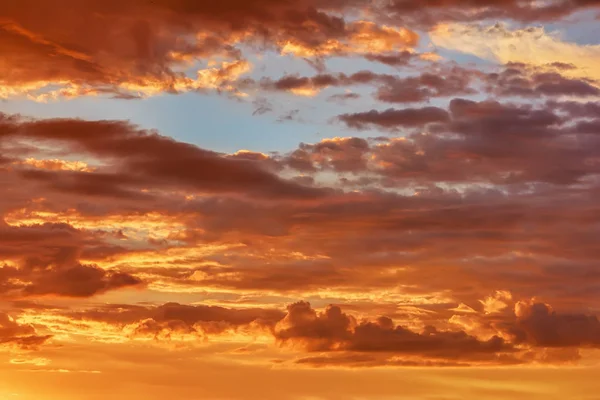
{"x": 47, "y": 257}
{"x": 393, "y": 244}
{"x": 167, "y": 322}
{"x": 520, "y": 80}
{"x": 148, "y": 158}
{"x": 494, "y": 195}
{"x": 515, "y": 80}
{"x": 342, "y": 97}
{"x": 539, "y": 325}
{"x": 333, "y": 330}
{"x": 53, "y": 257}
{"x": 506, "y": 337}
{"x": 394, "y": 118}
{"x": 402, "y": 58}
{"x": 22, "y": 336}
{"x": 430, "y": 12}
{"x": 487, "y": 141}
{"x": 173, "y": 48}
{"x": 145, "y": 48}
{"x": 426, "y": 86}
{"x": 391, "y": 88}
{"x": 530, "y": 45}
{"x": 311, "y": 86}
{"x": 80, "y": 281}
{"x": 153, "y": 219}
{"x": 363, "y": 37}
{"x": 365, "y": 360}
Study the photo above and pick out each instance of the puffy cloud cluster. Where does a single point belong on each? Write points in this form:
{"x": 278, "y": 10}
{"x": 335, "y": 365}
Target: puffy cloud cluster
{"x": 539, "y": 325}
{"x": 521, "y": 332}
{"x": 333, "y": 330}
{"x": 487, "y": 142}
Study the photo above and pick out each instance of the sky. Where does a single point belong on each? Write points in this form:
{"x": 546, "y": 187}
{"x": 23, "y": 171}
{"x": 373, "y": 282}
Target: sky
{"x": 299, "y": 200}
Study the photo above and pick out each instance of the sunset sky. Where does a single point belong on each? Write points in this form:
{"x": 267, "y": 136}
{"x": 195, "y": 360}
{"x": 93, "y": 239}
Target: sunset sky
{"x": 299, "y": 199}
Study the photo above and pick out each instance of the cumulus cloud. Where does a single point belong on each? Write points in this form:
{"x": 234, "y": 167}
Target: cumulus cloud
{"x": 333, "y": 330}
{"x": 541, "y": 326}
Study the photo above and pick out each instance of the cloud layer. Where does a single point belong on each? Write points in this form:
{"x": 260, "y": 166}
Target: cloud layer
{"x": 423, "y": 193}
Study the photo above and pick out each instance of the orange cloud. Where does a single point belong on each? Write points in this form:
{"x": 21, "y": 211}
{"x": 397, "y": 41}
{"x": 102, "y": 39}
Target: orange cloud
{"x": 363, "y": 37}
{"x": 144, "y": 48}
{"x": 450, "y": 232}
{"x": 435, "y": 224}
{"x": 22, "y": 336}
